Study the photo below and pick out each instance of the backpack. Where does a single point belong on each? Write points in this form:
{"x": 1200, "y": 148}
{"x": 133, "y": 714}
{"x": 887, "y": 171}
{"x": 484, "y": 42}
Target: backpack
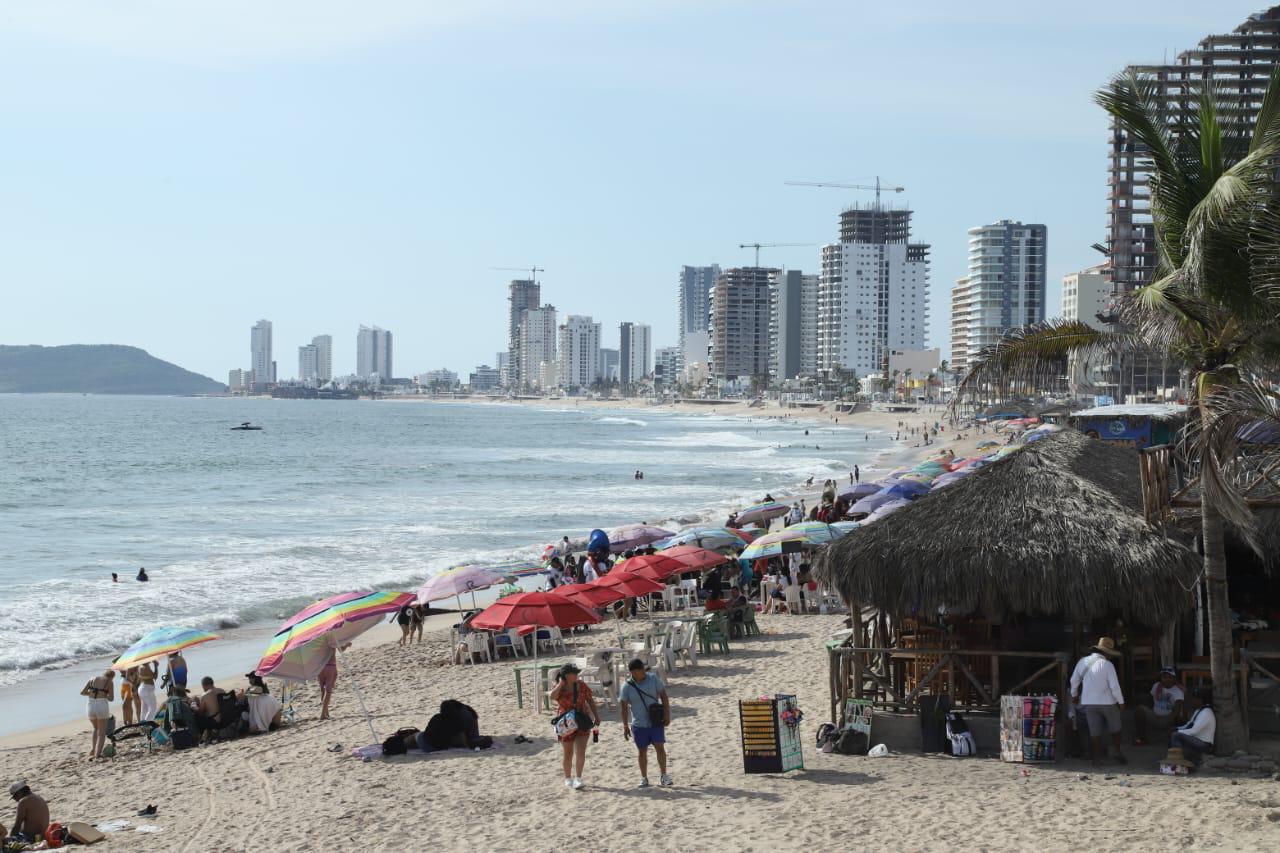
{"x": 852, "y": 742}
{"x": 959, "y": 738}
{"x": 395, "y": 745}
{"x": 826, "y": 733}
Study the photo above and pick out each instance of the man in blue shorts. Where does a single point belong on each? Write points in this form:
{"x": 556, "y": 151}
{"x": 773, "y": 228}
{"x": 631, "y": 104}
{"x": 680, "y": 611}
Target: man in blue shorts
{"x": 646, "y": 711}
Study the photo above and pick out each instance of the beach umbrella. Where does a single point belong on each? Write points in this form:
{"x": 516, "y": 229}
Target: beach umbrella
{"x": 658, "y": 566}
{"x": 632, "y": 536}
{"x": 158, "y": 644}
{"x": 859, "y": 490}
{"x": 983, "y": 445}
{"x": 908, "y": 489}
{"x": 590, "y": 595}
{"x": 629, "y": 584}
{"x": 457, "y": 580}
{"x": 697, "y": 559}
{"x": 788, "y": 540}
{"x": 517, "y": 568}
{"x": 762, "y": 512}
{"x": 708, "y": 537}
{"x": 307, "y": 640}
{"x": 846, "y": 526}
{"x": 869, "y": 504}
{"x": 885, "y": 509}
{"x": 541, "y": 609}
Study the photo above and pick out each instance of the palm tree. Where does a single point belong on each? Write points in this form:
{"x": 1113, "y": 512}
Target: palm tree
{"x": 1212, "y": 308}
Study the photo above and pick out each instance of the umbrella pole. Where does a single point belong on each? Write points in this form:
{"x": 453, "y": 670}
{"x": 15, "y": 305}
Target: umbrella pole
{"x": 355, "y": 687}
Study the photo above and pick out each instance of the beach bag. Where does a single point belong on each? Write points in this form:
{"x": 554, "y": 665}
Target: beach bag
{"x": 571, "y": 721}
{"x": 652, "y": 706}
{"x": 395, "y": 745}
{"x": 482, "y": 742}
{"x": 827, "y": 733}
{"x": 182, "y": 739}
{"x": 852, "y": 742}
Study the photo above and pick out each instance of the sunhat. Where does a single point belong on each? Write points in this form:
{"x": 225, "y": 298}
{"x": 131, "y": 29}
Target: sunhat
{"x": 1175, "y": 758}
{"x": 1107, "y": 646}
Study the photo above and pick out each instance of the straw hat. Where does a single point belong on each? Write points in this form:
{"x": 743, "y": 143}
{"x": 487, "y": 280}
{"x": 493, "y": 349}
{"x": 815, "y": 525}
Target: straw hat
{"x": 1107, "y": 646}
{"x": 1175, "y": 758}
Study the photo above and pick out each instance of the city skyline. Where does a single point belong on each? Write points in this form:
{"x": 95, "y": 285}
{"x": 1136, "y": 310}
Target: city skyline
{"x": 176, "y": 179}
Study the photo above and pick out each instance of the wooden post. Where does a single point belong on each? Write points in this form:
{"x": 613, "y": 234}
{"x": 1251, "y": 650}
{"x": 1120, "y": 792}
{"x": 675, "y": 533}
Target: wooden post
{"x": 995, "y": 679}
{"x": 1060, "y": 713}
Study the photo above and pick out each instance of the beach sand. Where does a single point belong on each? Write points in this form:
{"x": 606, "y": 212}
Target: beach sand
{"x": 284, "y": 791}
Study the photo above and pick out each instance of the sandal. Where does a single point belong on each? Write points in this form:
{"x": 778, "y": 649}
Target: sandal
{"x": 337, "y": 747}
{"x": 149, "y": 811}
{"x": 522, "y": 739}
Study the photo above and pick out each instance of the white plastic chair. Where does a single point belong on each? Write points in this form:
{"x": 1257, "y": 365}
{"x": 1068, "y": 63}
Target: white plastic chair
{"x": 512, "y": 640}
{"x": 478, "y": 644}
{"x": 666, "y": 659}
{"x": 688, "y": 646}
{"x": 669, "y": 598}
{"x": 599, "y": 674}
{"x": 553, "y": 640}
{"x": 687, "y": 594}
{"x": 792, "y": 597}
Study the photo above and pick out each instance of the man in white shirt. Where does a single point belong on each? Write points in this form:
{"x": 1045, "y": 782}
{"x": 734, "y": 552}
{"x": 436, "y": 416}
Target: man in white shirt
{"x": 593, "y": 568}
{"x": 1096, "y": 691}
{"x": 1196, "y": 736}
{"x": 1165, "y": 712}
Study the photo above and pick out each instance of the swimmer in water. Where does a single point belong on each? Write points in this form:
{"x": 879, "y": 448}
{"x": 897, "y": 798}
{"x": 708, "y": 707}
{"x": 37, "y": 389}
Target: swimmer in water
{"x": 142, "y": 576}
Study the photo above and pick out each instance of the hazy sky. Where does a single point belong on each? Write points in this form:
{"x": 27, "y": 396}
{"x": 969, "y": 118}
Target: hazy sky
{"x": 176, "y": 170}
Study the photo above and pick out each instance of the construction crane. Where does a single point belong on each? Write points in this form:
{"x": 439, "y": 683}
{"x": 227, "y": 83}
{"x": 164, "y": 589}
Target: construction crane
{"x": 759, "y": 246}
{"x": 532, "y": 271}
{"x": 876, "y": 186}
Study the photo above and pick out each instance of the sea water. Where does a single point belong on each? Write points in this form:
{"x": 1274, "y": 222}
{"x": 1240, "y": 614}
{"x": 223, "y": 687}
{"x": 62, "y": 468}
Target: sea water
{"x": 239, "y": 527}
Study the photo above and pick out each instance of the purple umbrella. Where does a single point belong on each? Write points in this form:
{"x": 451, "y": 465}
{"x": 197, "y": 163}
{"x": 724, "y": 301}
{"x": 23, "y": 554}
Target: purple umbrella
{"x": 884, "y": 509}
{"x": 632, "y": 536}
{"x": 860, "y": 490}
{"x": 870, "y": 504}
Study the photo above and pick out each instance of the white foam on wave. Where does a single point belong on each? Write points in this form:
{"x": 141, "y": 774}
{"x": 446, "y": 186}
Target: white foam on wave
{"x": 609, "y": 419}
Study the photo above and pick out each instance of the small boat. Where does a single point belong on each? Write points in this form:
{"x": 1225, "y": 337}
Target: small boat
{"x": 246, "y": 426}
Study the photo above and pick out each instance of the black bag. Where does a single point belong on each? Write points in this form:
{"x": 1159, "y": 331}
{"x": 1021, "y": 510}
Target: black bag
{"x": 656, "y": 712}
{"x": 182, "y": 739}
{"x": 852, "y": 742}
{"x": 395, "y": 745}
{"x": 482, "y": 742}
{"x": 827, "y": 732}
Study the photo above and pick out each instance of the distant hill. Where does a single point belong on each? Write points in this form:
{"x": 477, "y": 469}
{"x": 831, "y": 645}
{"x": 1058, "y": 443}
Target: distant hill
{"x": 96, "y": 369}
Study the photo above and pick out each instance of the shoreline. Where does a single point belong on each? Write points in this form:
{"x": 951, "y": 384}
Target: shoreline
{"x": 237, "y": 643}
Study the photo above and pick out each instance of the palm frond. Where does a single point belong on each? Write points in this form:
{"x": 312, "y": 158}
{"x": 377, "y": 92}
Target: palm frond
{"x": 1267, "y": 126}
{"x": 1036, "y": 352}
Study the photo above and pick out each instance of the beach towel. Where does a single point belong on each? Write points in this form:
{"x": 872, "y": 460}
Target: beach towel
{"x": 262, "y": 709}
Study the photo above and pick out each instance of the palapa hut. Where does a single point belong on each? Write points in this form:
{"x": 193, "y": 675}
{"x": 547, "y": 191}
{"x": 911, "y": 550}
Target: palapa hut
{"x": 1002, "y": 577}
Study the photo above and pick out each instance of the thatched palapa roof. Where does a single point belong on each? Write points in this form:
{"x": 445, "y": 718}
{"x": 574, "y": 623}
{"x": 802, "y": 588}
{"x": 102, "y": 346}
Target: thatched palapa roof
{"x": 1055, "y": 528}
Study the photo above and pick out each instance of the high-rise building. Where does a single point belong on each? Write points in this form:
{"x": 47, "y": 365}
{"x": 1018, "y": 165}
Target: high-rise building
{"x": 524, "y": 295}
{"x": 609, "y": 359}
{"x": 579, "y": 352}
{"x": 961, "y": 297}
{"x": 666, "y": 366}
{"x": 373, "y": 354}
{"x": 1006, "y": 285}
{"x": 1086, "y": 295}
{"x": 324, "y": 358}
{"x": 1239, "y": 64}
{"x": 873, "y": 291}
{"x": 260, "y": 361}
{"x": 308, "y": 364}
{"x": 793, "y": 321}
{"x": 695, "y": 303}
{"x": 635, "y": 360}
{"x": 484, "y": 379}
{"x": 536, "y": 345}
{"x": 236, "y": 381}
{"x": 739, "y": 323}
{"x": 503, "y": 361}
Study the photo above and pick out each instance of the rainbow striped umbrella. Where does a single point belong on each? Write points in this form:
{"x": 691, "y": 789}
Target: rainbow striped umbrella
{"x": 517, "y": 568}
{"x": 160, "y": 643}
{"x": 762, "y": 512}
{"x": 304, "y": 644}
{"x": 806, "y": 534}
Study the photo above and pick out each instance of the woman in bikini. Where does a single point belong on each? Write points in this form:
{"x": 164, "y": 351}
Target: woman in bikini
{"x": 100, "y": 692}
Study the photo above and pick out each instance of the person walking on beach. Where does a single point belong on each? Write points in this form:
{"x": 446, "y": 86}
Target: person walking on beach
{"x": 100, "y": 692}
{"x": 405, "y": 620}
{"x": 646, "y": 712}
{"x": 573, "y": 697}
{"x": 857, "y": 474}
{"x": 1096, "y": 690}
{"x": 327, "y": 679}
{"x": 417, "y": 618}
{"x": 129, "y": 704}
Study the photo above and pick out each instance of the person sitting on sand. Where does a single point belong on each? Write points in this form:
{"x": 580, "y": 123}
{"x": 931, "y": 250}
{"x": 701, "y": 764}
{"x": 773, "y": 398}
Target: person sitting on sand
{"x": 32, "y": 818}
{"x": 207, "y": 707}
{"x": 456, "y": 726}
{"x": 265, "y": 711}
{"x": 1165, "y": 711}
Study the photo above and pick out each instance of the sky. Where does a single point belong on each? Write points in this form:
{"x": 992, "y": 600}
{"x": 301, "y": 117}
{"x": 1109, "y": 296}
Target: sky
{"x": 175, "y": 171}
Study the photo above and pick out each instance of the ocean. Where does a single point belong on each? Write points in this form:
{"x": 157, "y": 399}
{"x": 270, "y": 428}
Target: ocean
{"x": 239, "y": 528}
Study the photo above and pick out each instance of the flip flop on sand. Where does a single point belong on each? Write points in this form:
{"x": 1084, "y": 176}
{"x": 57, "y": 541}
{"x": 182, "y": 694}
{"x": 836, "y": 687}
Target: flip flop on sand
{"x": 149, "y": 811}
{"x": 337, "y": 747}
{"x": 522, "y": 739}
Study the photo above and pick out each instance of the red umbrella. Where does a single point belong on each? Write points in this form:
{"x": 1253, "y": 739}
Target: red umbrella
{"x": 590, "y": 595}
{"x": 628, "y": 584}
{"x": 697, "y": 559}
{"x": 656, "y": 567}
{"x": 544, "y": 609}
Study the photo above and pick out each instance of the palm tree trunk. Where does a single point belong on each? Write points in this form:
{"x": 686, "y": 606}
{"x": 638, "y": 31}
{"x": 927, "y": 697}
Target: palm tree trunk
{"x": 1230, "y": 731}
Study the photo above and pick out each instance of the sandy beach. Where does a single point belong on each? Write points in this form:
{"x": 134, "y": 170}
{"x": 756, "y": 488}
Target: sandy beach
{"x": 284, "y": 791}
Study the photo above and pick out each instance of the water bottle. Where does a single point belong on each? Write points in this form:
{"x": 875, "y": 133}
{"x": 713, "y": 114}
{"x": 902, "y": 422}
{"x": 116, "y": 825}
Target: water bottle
{"x": 595, "y": 735}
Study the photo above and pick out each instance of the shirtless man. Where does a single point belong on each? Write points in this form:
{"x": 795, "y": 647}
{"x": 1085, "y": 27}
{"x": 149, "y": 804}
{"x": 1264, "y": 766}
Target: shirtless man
{"x": 33, "y": 812}
{"x": 207, "y": 707}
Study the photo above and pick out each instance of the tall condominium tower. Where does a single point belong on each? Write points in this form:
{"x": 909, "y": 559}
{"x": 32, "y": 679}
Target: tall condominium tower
{"x": 666, "y": 366}
{"x": 961, "y": 305}
{"x": 324, "y": 357}
{"x": 579, "y": 352}
{"x": 739, "y": 323}
{"x": 635, "y": 347}
{"x": 873, "y": 291}
{"x": 524, "y": 295}
{"x": 695, "y": 303}
{"x": 1005, "y": 286}
{"x": 260, "y": 361}
{"x": 373, "y": 353}
{"x": 793, "y": 317}
{"x": 1239, "y": 64}
{"x": 308, "y": 369}
{"x": 609, "y": 359}
{"x": 536, "y": 346}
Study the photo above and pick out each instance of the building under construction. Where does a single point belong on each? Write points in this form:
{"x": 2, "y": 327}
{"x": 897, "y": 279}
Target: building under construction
{"x": 1239, "y": 65}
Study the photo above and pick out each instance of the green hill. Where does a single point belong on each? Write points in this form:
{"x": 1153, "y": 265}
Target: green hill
{"x": 96, "y": 369}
